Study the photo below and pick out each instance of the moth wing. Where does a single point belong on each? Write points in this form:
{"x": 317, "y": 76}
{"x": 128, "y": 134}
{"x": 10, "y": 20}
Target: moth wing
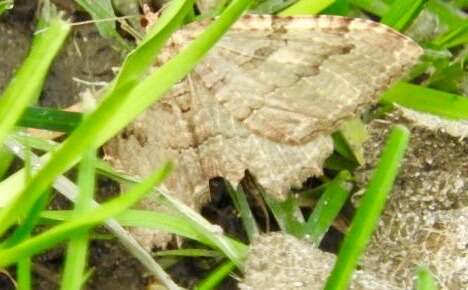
{"x": 288, "y": 79}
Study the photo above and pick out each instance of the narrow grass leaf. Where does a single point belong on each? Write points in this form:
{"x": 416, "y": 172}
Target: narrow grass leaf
{"x": 370, "y": 208}
{"x": 456, "y": 36}
{"x": 449, "y": 78}
{"x": 188, "y": 253}
{"x": 339, "y": 7}
{"x": 425, "y": 280}
{"x": 103, "y": 13}
{"x": 117, "y": 110}
{"x": 50, "y": 119}
{"x": 287, "y": 213}
{"x": 170, "y": 223}
{"x": 63, "y": 231}
{"x": 402, "y": 13}
{"x": 427, "y": 100}
{"x": 327, "y": 208}
{"x": 239, "y": 199}
{"x": 6, "y": 158}
{"x": 447, "y": 14}
{"x": 306, "y": 7}
{"x": 212, "y": 233}
{"x": 68, "y": 189}
{"x": 143, "y": 56}
{"x": 216, "y": 276}
{"x": 26, "y": 85}
{"x": 24, "y": 230}
{"x": 376, "y": 7}
{"x": 77, "y": 248}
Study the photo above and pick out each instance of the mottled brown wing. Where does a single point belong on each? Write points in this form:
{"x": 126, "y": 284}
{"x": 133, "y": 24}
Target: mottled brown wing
{"x": 289, "y": 78}
{"x": 264, "y": 99}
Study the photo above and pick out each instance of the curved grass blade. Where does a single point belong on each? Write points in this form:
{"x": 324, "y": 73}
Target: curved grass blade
{"x": 327, "y": 208}
{"x": 447, "y": 13}
{"x": 63, "y": 231}
{"x": 170, "y": 223}
{"x": 27, "y": 83}
{"x": 371, "y": 206}
{"x": 212, "y": 233}
{"x": 216, "y": 276}
{"x": 452, "y": 38}
{"x": 117, "y": 110}
{"x": 141, "y": 58}
{"x": 70, "y": 191}
{"x": 402, "y": 13}
{"x": 427, "y": 100}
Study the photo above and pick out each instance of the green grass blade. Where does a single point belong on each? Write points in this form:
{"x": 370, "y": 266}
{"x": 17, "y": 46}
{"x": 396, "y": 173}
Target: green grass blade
{"x": 371, "y": 206}
{"x": 212, "y": 233}
{"x": 427, "y": 100}
{"x": 6, "y": 158}
{"x": 24, "y": 274}
{"x": 141, "y": 58}
{"x": 425, "y": 280}
{"x": 50, "y": 119}
{"x": 103, "y": 13}
{"x": 327, "y": 208}
{"x": 376, "y": 7}
{"x": 287, "y": 213}
{"x": 402, "y": 13}
{"x": 216, "y": 276}
{"x": 151, "y": 220}
{"x": 63, "y": 231}
{"x": 241, "y": 204}
{"x": 35, "y": 142}
{"x": 27, "y": 83}
{"x": 339, "y": 7}
{"x": 24, "y": 230}
{"x": 70, "y": 191}
{"x": 117, "y": 110}
{"x": 77, "y": 248}
{"x": 452, "y": 38}
{"x": 270, "y": 6}
{"x": 5, "y": 5}
{"x": 188, "y": 253}
{"x": 306, "y": 7}
{"x": 446, "y": 13}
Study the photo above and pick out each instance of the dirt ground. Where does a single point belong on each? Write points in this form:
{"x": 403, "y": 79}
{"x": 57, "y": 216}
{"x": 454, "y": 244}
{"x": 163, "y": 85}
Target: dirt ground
{"x": 87, "y": 57}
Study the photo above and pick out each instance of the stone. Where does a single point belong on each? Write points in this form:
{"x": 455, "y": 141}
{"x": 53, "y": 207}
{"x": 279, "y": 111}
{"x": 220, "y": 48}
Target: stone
{"x": 425, "y": 221}
{"x": 278, "y": 261}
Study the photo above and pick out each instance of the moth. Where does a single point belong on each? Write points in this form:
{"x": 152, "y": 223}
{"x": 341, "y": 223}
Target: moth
{"x": 265, "y": 100}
